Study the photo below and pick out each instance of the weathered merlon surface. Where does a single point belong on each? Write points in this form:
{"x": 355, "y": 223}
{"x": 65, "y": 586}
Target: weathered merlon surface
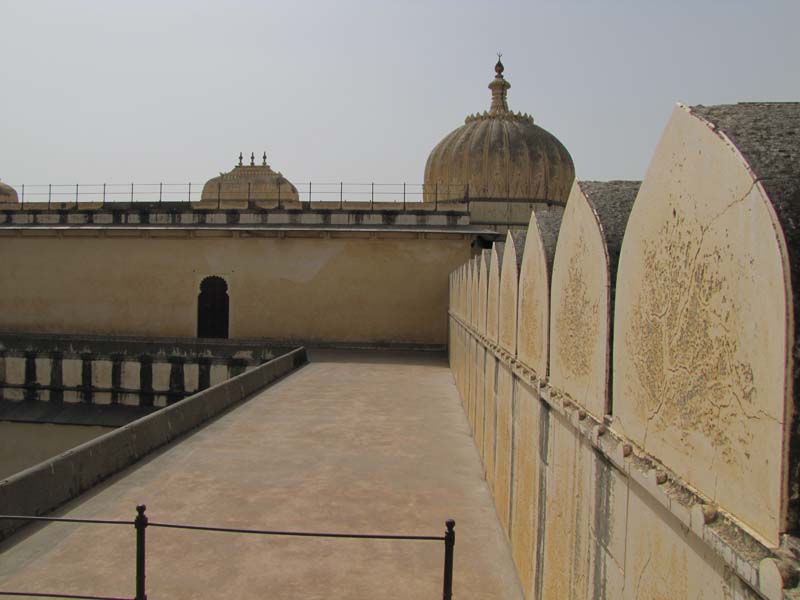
{"x": 703, "y": 330}
{"x": 348, "y": 443}
{"x": 683, "y": 481}
{"x": 767, "y": 134}
{"x": 584, "y": 274}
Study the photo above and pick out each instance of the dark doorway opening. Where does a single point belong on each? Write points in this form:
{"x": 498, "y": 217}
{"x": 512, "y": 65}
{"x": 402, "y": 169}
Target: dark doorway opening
{"x": 212, "y": 308}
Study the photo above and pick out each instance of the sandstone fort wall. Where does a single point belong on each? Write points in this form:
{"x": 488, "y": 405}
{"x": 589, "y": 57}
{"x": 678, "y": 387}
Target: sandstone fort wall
{"x": 627, "y": 368}
{"x": 327, "y": 287}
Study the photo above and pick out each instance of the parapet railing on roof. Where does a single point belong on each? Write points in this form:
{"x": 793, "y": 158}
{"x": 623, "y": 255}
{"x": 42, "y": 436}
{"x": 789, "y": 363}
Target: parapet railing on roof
{"x": 235, "y": 191}
{"x": 332, "y": 194}
{"x": 141, "y": 523}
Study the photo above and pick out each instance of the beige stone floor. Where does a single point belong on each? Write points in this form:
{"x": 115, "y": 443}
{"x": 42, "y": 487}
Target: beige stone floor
{"x": 353, "y": 442}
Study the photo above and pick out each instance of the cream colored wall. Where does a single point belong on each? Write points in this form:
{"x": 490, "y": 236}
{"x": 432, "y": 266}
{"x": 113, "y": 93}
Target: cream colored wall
{"x": 682, "y": 491}
{"x": 534, "y": 303}
{"x": 525, "y": 500}
{"x": 483, "y": 288}
{"x": 509, "y": 280}
{"x": 503, "y": 444}
{"x": 493, "y": 293}
{"x": 579, "y": 314}
{"x": 341, "y": 290}
{"x": 701, "y": 329}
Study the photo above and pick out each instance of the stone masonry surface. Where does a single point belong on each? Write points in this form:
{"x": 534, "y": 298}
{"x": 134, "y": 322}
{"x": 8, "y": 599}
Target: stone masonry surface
{"x": 352, "y": 442}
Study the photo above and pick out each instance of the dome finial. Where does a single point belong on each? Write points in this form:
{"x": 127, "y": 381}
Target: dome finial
{"x": 499, "y": 87}
{"x": 240, "y": 159}
{"x": 252, "y": 159}
{"x": 264, "y": 160}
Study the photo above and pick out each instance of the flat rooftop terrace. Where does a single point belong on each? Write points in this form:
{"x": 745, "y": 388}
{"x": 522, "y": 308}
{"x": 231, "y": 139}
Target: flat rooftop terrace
{"x": 352, "y": 442}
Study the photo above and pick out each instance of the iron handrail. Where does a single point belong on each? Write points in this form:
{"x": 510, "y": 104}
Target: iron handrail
{"x": 65, "y": 520}
{"x": 354, "y": 536}
{"x": 141, "y": 523}
{"x": 282, "y": 191}
{"x": 75, "y": 596}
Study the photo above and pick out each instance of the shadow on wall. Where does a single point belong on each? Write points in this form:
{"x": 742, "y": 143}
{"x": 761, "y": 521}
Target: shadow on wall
{"x": 651, "y": 454}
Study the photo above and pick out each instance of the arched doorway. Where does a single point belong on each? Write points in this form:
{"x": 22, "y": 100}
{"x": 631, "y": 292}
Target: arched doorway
{"x": 212, "y": 308}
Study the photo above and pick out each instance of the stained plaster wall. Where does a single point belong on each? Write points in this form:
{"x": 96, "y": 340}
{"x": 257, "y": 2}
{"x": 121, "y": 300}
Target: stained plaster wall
{"x": 534, "y": 289}
{"x": 642, "y": 480}
{"x": 316, "y": 289}
{"x": 699, "y": 381}
{"x": 584, "y": 272}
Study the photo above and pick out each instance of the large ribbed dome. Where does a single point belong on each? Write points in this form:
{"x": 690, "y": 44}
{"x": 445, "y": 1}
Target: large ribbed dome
{"x": 499, "y": 154}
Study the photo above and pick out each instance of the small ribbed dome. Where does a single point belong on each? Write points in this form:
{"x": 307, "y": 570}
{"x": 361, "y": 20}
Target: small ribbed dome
{"x": 250, "y": 182}
{"x": 499, "y": 154}
{"x": 7, "y": 194}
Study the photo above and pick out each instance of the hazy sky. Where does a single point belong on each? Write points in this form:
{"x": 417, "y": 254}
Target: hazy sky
{"x": 143, "y": 91}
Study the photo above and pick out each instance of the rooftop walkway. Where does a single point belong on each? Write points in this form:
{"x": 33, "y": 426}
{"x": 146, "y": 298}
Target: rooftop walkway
{"x": 352, "y": 442}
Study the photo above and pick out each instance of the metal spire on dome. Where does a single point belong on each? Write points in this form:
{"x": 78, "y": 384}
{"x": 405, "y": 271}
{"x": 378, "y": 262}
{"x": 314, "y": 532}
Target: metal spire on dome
{"x": 499, "y": 87}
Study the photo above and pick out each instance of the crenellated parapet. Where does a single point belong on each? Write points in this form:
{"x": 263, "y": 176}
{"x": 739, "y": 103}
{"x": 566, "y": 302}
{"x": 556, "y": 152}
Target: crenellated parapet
{"x": 640, "y": 435}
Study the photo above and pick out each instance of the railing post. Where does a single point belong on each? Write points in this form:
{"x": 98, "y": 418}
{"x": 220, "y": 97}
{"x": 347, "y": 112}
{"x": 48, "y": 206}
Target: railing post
{"x": 372, "y": 197}
{"x": 160, "y": 190}
{"x": 449, "y": 546}
{"x": 131, "y": 193}
{"x": 76, "y": 193}
{"x": 190, "y": 191}
{"x": 104, "y": 195}
{"x": 49, "y": 195}
{"x": 309, "y": 194}
{"x": 141, "y": 525}
{"x": 23, "y": 195}
{"x": 404, "y": 196}
{"x": 341, "y": 190}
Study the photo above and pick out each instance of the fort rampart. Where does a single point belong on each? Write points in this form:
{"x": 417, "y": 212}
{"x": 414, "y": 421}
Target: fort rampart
{"x": 629, "y": 372}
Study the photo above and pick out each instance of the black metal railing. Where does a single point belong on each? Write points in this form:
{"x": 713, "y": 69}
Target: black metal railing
{"x": 141, "y": 523}
{"x": 235, "y": 191}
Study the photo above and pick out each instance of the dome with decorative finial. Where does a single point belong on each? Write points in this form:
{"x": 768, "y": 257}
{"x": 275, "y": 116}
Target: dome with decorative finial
{"x": 7, "y": 194}
{"x": 499, "y": 154}
{"x": 250, "y": 182}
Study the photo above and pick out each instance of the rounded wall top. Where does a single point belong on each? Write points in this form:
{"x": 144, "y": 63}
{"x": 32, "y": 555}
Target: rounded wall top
{"x": 499, "y": 154}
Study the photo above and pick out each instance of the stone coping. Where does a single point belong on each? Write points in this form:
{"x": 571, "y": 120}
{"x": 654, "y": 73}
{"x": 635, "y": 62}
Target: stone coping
{"x": 48, "y": 485}
{"x": 133, "y": 347}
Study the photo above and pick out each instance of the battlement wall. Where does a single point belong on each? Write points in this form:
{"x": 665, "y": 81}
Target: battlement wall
{"x": 629, "y": 371}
